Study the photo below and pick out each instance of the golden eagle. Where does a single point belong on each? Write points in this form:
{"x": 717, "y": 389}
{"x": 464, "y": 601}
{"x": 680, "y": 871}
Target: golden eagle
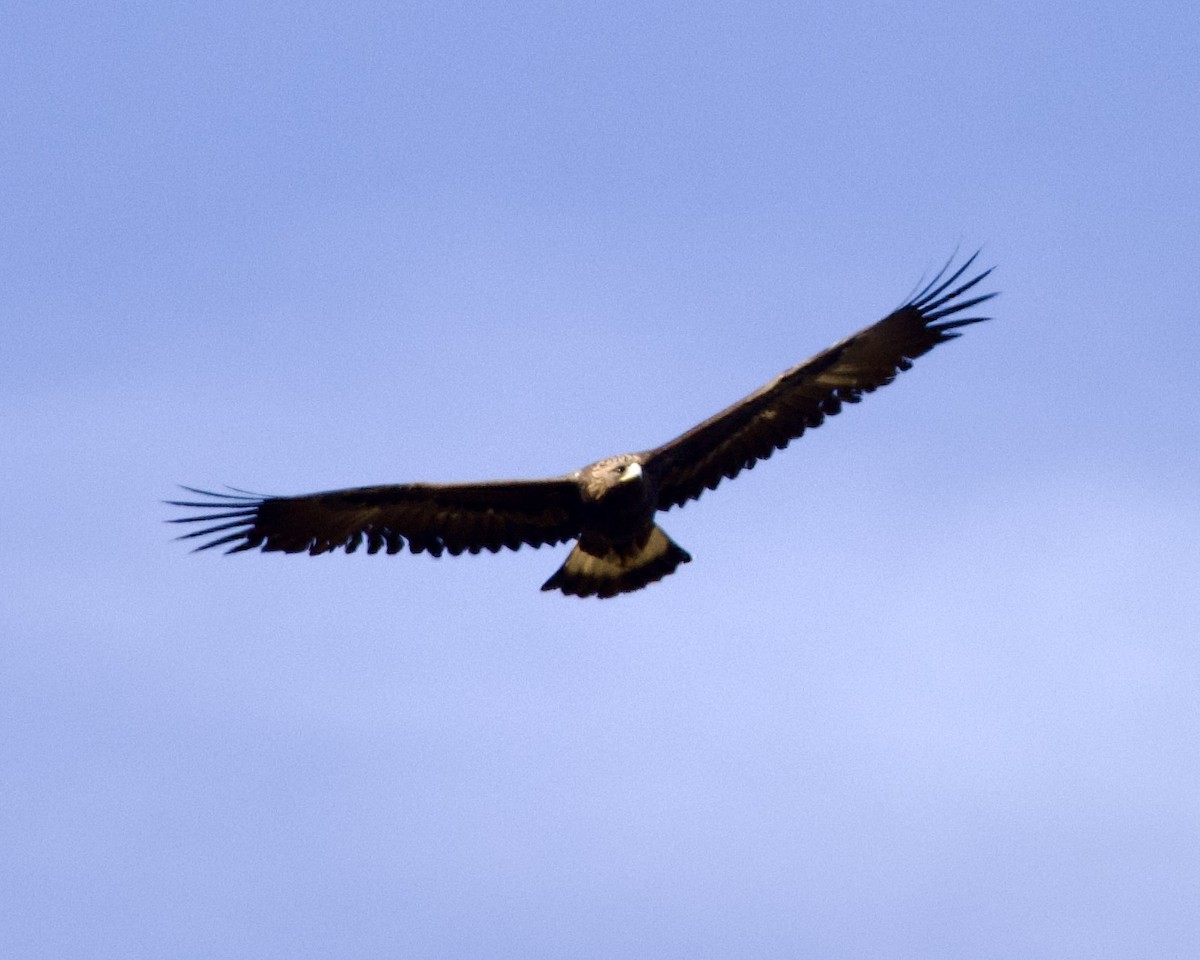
{"x": 609, "y": 507}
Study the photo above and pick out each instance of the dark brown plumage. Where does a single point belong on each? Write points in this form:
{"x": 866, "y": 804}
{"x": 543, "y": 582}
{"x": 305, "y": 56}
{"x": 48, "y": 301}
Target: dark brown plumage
{"x": 609, "y": 506}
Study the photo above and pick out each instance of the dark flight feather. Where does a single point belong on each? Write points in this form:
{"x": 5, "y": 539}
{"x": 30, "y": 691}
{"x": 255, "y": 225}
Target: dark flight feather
{"x": 437, "y": 518}
{"x": 802, "y": 397}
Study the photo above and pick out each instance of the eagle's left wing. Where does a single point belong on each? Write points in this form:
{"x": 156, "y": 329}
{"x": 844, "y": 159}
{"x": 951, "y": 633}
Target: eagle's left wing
{"x": 767, "y": 420}
{"x": 434, "y": 517}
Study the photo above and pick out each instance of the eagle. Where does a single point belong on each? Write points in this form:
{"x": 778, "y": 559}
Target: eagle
{"x": 609, "y": 507}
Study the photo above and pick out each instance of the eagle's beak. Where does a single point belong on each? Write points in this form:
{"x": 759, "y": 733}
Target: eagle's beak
{"x": 633, "y": 471}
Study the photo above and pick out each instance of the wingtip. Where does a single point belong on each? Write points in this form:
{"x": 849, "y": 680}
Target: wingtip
{"x": 938, "y": 299}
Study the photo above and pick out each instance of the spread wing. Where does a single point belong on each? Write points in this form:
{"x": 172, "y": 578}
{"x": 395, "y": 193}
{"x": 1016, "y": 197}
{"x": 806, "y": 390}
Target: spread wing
{"x": 435, "y": 517}
{"x": 802, "y": 397}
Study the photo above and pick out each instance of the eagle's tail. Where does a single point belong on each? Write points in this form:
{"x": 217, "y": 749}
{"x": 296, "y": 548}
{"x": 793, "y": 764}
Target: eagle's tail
{"x": 603, "y": 570}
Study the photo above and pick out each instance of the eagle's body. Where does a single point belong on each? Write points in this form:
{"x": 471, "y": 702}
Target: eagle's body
{"x": 608, "y": 507}
{"x": 620, "y": 547}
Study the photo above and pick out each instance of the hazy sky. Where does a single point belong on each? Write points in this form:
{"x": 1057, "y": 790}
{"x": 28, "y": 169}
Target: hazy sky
{"x": 930, "y": 687}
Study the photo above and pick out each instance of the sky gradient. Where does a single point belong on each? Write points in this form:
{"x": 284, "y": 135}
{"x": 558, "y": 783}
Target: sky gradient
{"x": 929, "y": 688}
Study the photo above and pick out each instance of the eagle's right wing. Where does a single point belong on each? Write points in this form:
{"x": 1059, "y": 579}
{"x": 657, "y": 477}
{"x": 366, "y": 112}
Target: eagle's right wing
{"x": 425, "y": 516}
{"x": 802, "y": 397}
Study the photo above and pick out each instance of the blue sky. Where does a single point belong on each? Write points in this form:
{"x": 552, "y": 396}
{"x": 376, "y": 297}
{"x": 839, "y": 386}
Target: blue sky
{"x": 929, "y": 688}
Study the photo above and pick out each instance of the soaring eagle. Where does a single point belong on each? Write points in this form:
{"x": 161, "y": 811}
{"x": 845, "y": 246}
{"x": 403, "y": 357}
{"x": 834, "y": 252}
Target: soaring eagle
{"x": 609, "y": 507}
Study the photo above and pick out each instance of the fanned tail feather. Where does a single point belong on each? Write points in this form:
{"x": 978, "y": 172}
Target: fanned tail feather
{"x": 602, "y": 570}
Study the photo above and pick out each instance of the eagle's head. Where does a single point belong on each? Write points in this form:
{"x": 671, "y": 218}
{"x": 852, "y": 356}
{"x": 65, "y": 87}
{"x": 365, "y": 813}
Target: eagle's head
{"x": 606, "y": 477}
{"x": 623, "y": 471}
{"x": 629, "y": 472}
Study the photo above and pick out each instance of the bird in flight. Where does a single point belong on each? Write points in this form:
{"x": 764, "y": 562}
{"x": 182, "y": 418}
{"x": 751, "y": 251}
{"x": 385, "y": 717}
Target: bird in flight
{"x": 608, "y": 508}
